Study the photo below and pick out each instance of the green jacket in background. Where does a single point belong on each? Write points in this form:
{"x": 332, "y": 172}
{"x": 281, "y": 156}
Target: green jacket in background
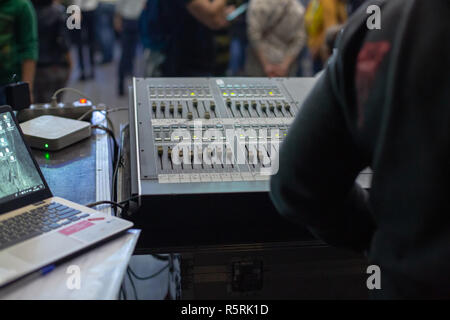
{"x": 18, "y": 37}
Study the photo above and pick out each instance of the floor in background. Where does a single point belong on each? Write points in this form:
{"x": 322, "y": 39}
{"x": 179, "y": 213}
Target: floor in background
{"x": 104, "y": 88}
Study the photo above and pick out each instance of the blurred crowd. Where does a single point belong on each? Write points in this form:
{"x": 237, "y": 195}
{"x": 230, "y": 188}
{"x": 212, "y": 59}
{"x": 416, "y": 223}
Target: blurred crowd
{"x": 183, "y": 38}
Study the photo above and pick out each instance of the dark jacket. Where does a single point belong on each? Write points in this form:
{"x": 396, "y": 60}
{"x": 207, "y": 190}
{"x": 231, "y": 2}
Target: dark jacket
{"x": 53, "y": 35}
{"x": 383, "y": 102}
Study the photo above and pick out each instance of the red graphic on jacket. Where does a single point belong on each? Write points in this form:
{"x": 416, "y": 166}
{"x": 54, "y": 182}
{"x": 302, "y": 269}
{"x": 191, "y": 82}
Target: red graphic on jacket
{"x": 368, "y": 62}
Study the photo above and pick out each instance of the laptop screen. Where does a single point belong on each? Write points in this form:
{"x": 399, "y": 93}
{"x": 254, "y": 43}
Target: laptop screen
{"x": 18, "y": 174}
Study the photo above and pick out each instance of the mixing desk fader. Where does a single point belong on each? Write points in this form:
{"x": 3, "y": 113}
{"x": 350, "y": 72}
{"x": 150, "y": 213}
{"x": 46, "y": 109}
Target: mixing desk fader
{"x": 203, "y": 147}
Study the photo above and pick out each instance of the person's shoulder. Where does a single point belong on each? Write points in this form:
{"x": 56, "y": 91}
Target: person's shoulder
{"x": 24, "y": 7}
{"x": 23, "y": 4}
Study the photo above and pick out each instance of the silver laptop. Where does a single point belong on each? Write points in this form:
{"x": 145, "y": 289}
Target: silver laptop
{"x": 37, "y": 229}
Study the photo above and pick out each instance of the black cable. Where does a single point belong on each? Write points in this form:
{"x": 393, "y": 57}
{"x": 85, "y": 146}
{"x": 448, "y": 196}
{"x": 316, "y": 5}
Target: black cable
{"x": 160, "y": 257}
{"x": 132, "y": 284}
{"x": 129, "y": 199}
{"x": 111, "y": 133}
{"x": 118, "y": 163}
{"x": 112, "y": 203}
{"x": 151, "y": 276}
{"x": 116, "y": 157}
{"x": 124, "y": 291}
{"x": 94, "y": 204}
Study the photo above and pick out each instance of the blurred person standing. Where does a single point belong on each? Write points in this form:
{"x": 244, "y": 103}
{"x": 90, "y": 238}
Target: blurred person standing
{"x": 239, "y": 42}
{"x": 55, "y": 63}
{"x": 153, "y": 37}
{"x": 105, "y": 16}
{"x": 86, "y": 35}
{"x": 127, "y": 23}
{"x": 277, "y": 35}
{"x": 18, "y": 44}
{"x": 190, "y": 49}
{"x": 320, "y": 16}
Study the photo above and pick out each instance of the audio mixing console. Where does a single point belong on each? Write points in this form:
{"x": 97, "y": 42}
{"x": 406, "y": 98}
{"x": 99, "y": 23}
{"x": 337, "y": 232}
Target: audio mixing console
{"x": 203, "y": 151}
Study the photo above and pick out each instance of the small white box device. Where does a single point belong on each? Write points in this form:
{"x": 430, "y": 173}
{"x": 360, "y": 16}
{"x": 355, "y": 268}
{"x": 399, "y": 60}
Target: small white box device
{"x": 54, "y": 133}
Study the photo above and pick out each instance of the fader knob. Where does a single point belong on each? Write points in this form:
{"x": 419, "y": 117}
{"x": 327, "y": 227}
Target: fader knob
{"x": 180, "y": 109}
{"x": 287, "y": 107}
{"x": 190, "y": 116}
{"x": 219, "y": 153}
{"x": 271, "y": 107}
{"x": 254, "y": 104}
{"x": 263, "y": 107}
{"x": 238, "y": 105}
{"x": 163, "y": 107}
{"x": 160, "y": 151}
{"x": 279, "y": 106}
{"x": 246, "y": 105}
{"x": 251, "y": 156}
{"x": 171, "y": 109}
{"x": 209, "y": 152}
{"x": 154, "y": 106}
{"x": 207, "y": 115}
{"x": 212, "y": 106}
{"x": 229, "y": 153}
{"x": 260, "y": 156}
{"x": 195, "y": 103}
{"x": 229, "y": 102}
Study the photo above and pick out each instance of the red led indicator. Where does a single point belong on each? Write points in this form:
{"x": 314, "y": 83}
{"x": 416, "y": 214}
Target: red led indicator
{"x": 83, "y": 101}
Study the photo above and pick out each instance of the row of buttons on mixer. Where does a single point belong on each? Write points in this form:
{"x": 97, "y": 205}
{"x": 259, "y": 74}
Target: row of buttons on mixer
{"x": 211, "y": 177}
{"x": 217, "y": 132}
{"x": 179, "y": 92}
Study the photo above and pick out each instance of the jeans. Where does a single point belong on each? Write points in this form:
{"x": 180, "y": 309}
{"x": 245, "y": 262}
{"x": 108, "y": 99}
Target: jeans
{"x": 129, "y": 41}
{"x": 105, "y": 30}
{"x": 238, "y": 49}
{"x": 86, "y": 35}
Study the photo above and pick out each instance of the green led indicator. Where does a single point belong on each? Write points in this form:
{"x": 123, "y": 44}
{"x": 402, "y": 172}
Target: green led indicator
{"x": 47, "y": 156}
{"x": 46, "y": 146}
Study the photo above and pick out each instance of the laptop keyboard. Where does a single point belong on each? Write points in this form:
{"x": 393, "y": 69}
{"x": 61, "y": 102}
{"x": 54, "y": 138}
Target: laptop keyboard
{"x": 36, "y": 222}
